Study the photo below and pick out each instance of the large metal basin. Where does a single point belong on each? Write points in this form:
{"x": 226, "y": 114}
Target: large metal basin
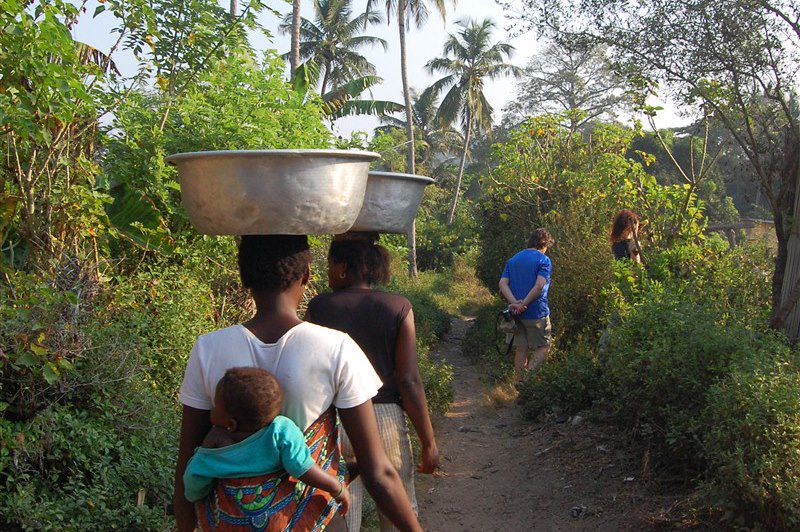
{"x": 288, "y": 192}
{"x": 391, "y": 202}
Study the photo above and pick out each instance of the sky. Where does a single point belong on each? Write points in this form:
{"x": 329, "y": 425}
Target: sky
{"x": 423, "y": 44}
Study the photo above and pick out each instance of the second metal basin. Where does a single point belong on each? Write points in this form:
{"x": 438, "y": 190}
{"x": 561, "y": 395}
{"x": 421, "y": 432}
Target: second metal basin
{"x": 286, "y": 192}
{"x": 391, "y": 202}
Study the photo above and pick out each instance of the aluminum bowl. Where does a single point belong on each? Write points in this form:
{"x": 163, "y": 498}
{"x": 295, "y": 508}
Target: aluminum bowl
{"x": 288, "y": 192}
{"x": 391, "y": 202}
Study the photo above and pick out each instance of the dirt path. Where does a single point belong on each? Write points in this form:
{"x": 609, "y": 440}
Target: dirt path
{"x": 502, "y": 473}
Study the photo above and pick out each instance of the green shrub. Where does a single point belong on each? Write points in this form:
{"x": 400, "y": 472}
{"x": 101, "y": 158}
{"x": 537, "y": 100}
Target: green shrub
{"x": 664, "y": 356}
{"x": 484, "y": 346}
{"x": 438, "y": 380}
{"x": 169, "y": 308}
{"x": 432, "y": 320}
{"x": 753, "y": 447}
{"x": 567, "y": 383}
{"x": 70, "y": 469}
{"x": 91, "y": 438}
{"x": 439, "y": 244}
{"x": 41, "y": 339}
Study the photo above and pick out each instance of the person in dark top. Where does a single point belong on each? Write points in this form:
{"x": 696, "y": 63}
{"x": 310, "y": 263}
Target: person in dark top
{"x": 382, "y": 324}
{"x": 624, "y": 236}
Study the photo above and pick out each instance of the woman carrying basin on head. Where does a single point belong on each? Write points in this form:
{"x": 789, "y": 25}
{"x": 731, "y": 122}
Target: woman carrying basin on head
{"x": 382, "y": 324}
{"x": 321, "y": 371}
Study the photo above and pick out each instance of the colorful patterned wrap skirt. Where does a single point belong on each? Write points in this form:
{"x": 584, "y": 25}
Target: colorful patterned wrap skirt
{"x": 276, "y": 501}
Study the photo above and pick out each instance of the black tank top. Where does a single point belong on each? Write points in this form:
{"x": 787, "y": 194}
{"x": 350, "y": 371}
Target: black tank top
{"x": 372, "y": 319}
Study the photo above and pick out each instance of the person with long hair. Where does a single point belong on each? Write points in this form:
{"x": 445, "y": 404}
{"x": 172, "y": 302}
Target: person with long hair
{"x": 321, "y": 372}
{"x": 625, "y": 236}
{"x": 382, "y": 324}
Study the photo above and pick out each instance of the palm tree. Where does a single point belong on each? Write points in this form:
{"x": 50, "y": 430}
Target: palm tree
{"x": 408, "y": 11}
{"x": 294, "y": 54}
{"x": 333, "y": 41}
{"x": 470, "y": 58}
{"x": 438, "y": 138}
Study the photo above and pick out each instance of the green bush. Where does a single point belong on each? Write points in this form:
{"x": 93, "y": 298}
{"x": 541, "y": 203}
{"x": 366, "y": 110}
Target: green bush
{"x": 438, "y": 380}
{"x": 168, "y": 307}
{"x": 432, "y": 320}
{"x": 439, "y": 244}
{"x": 40, "y": 340}
{"x": 753, "y": 447}
{"x": 97, "y": 434}
{"x": 664, "y": 356}
{"x": 484, "y": 346}
{"x": 567, "y": 383}
{"x": 70, "y": 469}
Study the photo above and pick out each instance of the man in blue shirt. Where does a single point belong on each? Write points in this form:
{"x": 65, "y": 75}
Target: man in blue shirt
{"x": 524, "y": 284}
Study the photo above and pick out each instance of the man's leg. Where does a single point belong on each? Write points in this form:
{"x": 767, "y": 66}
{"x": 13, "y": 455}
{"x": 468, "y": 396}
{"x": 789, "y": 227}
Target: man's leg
{"x": 520, "y": 352}
{"x": 539, "y": 357}
{"x": 543, "y": 333}
{"x": 520, "y": 363}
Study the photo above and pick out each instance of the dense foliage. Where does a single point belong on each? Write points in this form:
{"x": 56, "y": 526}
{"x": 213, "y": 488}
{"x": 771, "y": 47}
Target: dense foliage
{"x": 677, "y": 351}
{"x": 104, "y": 286}
{"x": 573, "y": 184}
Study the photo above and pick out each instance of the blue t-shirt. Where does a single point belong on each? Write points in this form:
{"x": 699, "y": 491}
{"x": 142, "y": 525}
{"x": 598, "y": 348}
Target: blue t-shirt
{"x": 279, "y": 445}
{"x": 521, "y": 271}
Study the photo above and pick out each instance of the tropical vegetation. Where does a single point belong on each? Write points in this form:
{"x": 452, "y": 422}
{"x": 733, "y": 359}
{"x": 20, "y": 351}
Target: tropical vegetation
{"x": 104, "y": 285}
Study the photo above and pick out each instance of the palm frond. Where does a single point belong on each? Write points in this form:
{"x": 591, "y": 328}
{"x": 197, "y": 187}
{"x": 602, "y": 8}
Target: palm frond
{"x": 351, "y": 89}
{"x": 452, "y": 104}
{"x": 380, "y": 108}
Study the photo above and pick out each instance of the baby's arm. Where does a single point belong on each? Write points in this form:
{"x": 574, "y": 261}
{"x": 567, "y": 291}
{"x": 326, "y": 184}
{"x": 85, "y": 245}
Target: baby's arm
{"x": 296, "y": 460}
{"x": 319, "y": 479}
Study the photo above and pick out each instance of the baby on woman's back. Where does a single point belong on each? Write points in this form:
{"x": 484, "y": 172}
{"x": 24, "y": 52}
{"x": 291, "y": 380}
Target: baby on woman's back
{"x": 250, "y": 439}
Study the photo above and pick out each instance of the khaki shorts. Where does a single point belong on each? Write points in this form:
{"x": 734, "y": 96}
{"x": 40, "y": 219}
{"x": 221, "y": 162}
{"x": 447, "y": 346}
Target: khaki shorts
{"x": 533, "y": 334}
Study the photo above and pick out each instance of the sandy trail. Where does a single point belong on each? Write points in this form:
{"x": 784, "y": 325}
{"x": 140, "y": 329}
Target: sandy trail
{"x": 502, "y": 473}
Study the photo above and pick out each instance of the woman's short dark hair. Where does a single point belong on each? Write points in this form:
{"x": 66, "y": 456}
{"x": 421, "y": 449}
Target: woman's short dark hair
{"x": 252, "y": 396}
{"x": 540, "y": 239}
{"x": 623, "y": 225}
{"x": 364, "y": 260}
{"x": 273, "y": 262}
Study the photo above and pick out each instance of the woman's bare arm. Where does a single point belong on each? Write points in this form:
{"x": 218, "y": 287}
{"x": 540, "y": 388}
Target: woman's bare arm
{"x": 195, "y": 424}
{"x": 379, "y": 476}
{"x": 412, "y": 392}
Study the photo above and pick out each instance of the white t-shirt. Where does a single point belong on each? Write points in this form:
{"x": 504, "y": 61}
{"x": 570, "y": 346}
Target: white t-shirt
{"x": 315, "y": 366}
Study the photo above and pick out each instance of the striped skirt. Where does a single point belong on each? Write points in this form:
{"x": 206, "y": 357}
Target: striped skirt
{"x": 394, "y": 437}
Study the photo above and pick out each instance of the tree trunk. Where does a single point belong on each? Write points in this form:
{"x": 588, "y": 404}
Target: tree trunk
{"x": 234, "y": 8}
{"x": 461, "y": 168}
{"x": 785, "y": 312}
{"x": 294, "y": 57}
{"x": 325, "y": 78}
{"x": 412, "y": 251}
{"x": 411, "y": 163}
